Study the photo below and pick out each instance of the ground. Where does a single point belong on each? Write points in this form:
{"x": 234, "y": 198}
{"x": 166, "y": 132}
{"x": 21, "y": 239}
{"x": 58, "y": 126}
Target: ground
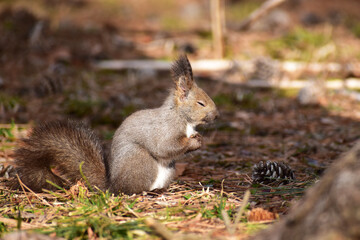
{"x": 50, "y": 76}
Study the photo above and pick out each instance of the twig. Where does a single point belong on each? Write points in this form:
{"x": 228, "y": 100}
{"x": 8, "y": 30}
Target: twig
{"x": 241, "y": 210}
{"x": 227, "y": 221}
{"x": 131, "y": 211}
{"x": 14, "y": 223}
{"x": 159, "y": 228}
{"x": 222, "y": 188}
{"x": 22, "y": 185}
{"x": 260, "y": 12}
{"x": 231, "y": 228}
{"x": 36, "y": 33}
{"x": 216, "y": 9}
{"x": 205, "y": 67}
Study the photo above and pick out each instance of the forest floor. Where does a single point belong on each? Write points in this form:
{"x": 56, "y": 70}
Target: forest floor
{"x": 52, "y": 78}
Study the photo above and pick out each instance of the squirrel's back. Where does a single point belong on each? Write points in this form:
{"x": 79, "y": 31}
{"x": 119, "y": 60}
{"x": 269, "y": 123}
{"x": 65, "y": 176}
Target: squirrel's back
{"x": 54, "y": 151}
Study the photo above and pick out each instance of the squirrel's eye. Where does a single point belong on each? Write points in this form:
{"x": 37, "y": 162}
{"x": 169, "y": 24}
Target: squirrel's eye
{"x": 201, "y": 104}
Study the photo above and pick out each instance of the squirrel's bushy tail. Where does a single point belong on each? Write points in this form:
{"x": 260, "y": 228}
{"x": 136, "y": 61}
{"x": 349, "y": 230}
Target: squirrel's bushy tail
{"x": 54, "y": 152}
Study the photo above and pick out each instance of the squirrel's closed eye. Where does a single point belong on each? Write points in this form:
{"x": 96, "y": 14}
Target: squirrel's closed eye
{"x": 201, "y": 103}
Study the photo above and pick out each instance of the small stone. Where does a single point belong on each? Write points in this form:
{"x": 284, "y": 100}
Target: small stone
{"x": 312, "y": 93}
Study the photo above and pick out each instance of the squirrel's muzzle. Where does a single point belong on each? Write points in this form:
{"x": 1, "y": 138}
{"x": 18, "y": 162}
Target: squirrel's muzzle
{"x": 210, "y": 117}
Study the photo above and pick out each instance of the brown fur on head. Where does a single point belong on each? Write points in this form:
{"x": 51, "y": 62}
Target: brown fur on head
{"x": 191, "y": 100}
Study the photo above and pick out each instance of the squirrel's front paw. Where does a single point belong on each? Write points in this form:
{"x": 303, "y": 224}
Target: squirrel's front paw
{"x": 195, "y": 142}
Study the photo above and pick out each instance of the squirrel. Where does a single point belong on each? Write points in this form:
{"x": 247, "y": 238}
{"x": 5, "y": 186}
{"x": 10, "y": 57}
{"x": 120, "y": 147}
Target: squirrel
{"x": 143, "y": 150}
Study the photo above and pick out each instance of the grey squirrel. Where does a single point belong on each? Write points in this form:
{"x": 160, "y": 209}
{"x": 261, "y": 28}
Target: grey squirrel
{"x": 143, "y": 150}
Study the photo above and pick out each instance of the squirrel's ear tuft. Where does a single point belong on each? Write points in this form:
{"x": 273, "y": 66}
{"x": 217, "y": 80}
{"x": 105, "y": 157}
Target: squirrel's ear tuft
{"x": 182, "y": 75}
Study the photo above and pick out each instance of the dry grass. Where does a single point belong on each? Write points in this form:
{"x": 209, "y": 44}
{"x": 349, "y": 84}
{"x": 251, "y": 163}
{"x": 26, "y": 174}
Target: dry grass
{"x": 78, "y": 213}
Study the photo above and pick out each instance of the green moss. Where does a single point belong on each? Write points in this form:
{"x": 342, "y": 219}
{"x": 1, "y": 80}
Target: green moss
{"x": 210, "y": 182}
{"x": 80, "y": 108}
{"x": 245, "y": 100}
{"x": 240, "y": 10}
{"x": 205, "y": 34}
{"x": 7, "y": 132}
{"x": 172, "y": 22}
{"x": 8, "y": 25}
{"x": 335, "y": 108}
{"x": 252, "y": 228}
{"x": 224, "y": 100}
{"x": 355, "y": 29}
{"x": 108, "y": 135}
{"x": 111, "y": 7}
{"x": 299, "y": 44}
{"x": 353, "y": 24}
{"x": 9, "y": 102}
{"x": 229, "y": 52}
{"x": 127, "y": 110}
{"x": 286, "y": 92}
{"x": 3, "y": 228}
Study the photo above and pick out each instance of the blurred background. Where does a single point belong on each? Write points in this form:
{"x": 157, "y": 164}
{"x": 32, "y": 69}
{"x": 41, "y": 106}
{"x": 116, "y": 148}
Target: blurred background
{"x": 49, "y": 50}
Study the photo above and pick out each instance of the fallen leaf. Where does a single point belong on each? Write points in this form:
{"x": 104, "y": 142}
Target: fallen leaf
{"x": 259, "y": 214}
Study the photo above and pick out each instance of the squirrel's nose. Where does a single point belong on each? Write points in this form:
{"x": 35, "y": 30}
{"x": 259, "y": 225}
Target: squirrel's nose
{"x": 211, "y": 116}
{"x": 217, "y": 114}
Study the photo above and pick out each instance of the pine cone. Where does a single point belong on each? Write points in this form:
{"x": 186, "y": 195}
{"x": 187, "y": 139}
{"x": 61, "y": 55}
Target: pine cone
{"x": 272, "y": 172}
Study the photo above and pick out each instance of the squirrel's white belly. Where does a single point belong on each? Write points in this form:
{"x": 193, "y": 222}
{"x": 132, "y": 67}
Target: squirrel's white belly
{"x": 163, "y": 174}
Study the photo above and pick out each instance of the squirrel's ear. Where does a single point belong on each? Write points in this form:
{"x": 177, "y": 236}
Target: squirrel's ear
{"x": 182, "y": 75}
